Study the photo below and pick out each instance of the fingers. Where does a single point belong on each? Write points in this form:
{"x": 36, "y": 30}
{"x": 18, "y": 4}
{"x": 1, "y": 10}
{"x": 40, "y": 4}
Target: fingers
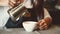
{"x": 43, "y": 25}
{"x": 41, "y": 22}
{"x": 13, "y": 3}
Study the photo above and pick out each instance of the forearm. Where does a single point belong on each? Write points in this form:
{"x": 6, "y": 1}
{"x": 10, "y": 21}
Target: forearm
{"x": 47, "y": 16}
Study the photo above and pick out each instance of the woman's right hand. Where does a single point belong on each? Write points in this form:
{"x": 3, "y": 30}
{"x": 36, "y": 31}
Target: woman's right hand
{"x": 14, "y": 3}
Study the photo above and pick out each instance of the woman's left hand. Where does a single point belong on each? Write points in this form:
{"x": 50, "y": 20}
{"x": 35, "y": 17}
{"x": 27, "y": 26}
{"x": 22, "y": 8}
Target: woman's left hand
{"x": 43, "y": 24}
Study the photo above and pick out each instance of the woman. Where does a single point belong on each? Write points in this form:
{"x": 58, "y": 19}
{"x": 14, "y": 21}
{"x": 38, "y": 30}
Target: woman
{"x": 36, "y": 12}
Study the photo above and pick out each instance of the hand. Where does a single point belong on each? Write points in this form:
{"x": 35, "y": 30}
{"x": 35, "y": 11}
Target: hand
{"x": 43, "y": 24}
{"x": 13, "y": 3}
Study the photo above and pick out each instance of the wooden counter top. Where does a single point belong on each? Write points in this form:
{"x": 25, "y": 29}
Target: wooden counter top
{"x": 51, "y": 30}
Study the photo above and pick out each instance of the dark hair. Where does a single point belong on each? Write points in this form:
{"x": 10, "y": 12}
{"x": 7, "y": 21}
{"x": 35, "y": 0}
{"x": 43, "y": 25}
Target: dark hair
{"x": 38, "y": 8}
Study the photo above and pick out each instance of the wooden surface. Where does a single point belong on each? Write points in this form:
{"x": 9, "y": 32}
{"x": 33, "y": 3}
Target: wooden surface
{"x": 51, "y": 30}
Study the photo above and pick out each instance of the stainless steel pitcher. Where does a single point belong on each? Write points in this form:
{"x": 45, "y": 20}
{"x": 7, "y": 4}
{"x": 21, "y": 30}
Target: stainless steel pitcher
{"x": 17, "y": 12}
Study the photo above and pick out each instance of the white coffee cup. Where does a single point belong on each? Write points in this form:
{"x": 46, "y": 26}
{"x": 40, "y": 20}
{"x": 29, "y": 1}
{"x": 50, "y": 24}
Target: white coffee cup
{"x": 29, "y": 26}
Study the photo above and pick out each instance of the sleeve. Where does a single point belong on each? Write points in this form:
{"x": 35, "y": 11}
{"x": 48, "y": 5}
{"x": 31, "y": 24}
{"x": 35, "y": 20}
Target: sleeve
{"x": 46, "y": 14}
{"x": 28, "y": 4}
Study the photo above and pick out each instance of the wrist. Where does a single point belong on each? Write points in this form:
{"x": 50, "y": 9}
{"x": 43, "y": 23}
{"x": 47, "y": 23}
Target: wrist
{"x": 48, "y": 20}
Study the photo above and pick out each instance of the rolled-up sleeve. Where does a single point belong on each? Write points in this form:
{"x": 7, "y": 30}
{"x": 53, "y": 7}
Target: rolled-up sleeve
{"x": 46, "y": 14}
{"x": 28, "y": 4}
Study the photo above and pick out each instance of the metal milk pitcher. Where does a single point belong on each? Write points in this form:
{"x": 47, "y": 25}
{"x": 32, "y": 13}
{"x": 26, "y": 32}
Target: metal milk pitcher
{"x": 17, "y": 12}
